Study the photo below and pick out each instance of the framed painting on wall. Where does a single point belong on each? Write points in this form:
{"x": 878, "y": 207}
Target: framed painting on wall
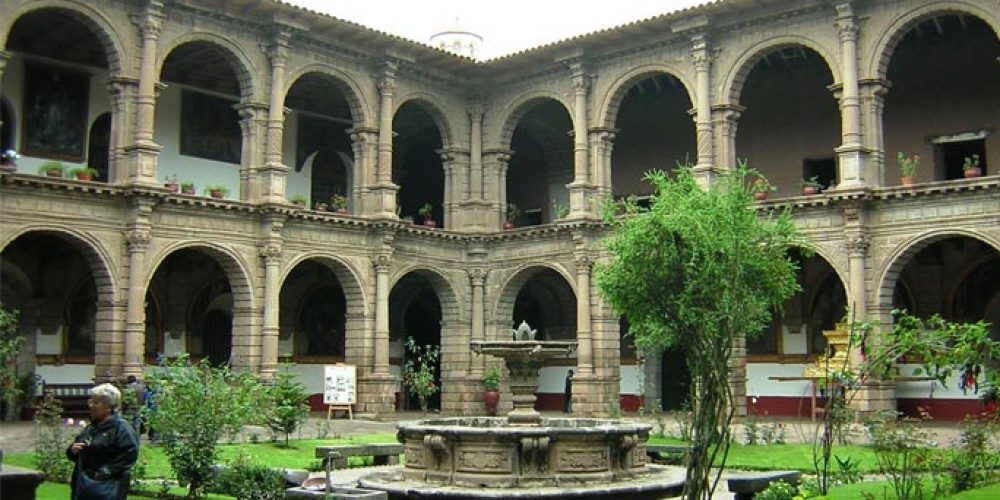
{"x": 210, "y": 128}
{"x": 55, "y": 112}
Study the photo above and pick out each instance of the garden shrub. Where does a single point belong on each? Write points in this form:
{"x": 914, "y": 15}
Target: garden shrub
{"x": 287, "y": 405}
{"x": 52, "y": 438}
{"x": 777, "y": 490}
{"x": 902, "y": 451}
{"x": 248, "y": 480}
{"x": 973, "y": 464}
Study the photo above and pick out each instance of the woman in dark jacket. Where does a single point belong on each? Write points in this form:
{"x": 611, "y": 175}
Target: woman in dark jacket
{"x": 107, "y": 449}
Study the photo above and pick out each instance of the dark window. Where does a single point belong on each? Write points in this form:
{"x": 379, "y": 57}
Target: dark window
{"x": 210, "y": 128}
{"x": 950, "y": 156}
{"x": 823, "y": 169}
{"x": 98, "y": 145}
{"x": 55, "y": 112}
{"x": 768, "y": 342}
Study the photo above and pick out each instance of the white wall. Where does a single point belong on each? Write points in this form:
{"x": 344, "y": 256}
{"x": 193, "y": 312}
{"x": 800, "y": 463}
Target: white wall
{"x": 758, "y": 383}
{"x": 65, "y": 374}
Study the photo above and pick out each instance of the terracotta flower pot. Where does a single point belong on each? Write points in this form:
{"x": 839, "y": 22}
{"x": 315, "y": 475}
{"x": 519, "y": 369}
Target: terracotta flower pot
{"x": 187, "y": 190}
{"x": 430, "y": 222}
{"x": 490, "y": 399}
{"x": 215, "y": 193}
{"x": 809, "y": 190}
{"x": 172, "y": 187}
{"x": 84, "y": 176}
{"x": 507, "y": 226}
{"x": 760, "y": 195}
{"x": 341, "y": 210}
{"x": 53, "y": 173}
{"x": 906, "y": 180}
{"x": 298, "y": 204}
{"x": 972, "y": 173}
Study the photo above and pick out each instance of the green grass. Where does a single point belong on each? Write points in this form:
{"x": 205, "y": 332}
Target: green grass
{"x": 786, "y": 457}
{"x": 882, "y": 489}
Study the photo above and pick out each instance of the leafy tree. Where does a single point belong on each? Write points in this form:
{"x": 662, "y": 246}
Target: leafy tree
{"x": 196, "y": 405}
{"x": 52, "y": 437}
{"x": 699, "y": 269}
{"x": 287, "y": 405}
{"x": 11, "y": 341}
{"x": 418, "y": 371}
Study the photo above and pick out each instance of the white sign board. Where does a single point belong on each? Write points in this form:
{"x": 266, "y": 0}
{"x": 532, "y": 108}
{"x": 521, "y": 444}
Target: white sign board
{"x": 339, "y": 384}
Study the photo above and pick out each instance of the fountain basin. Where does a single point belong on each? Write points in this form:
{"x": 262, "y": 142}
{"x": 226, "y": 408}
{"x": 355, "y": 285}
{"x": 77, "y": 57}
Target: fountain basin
{"x": 489, "y": 452}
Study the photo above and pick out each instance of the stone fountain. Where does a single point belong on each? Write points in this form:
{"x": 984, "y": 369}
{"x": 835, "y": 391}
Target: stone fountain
{"x": 524, "y": 455}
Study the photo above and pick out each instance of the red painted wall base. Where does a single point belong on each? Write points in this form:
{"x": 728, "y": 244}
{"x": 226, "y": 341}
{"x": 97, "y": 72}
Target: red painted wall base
{"x": 944, "y": 410}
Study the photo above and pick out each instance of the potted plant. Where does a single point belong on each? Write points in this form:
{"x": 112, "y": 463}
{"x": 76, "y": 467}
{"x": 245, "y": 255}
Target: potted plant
{"x": 761, "y": 188}
{"x": 187, "y": 187}
{"x": 339, "y": 203}
{"x": 907, "y": 167}
{"x": 511, "y": 216}
{"x": 989, "y": 396}
{"x": 559, "y": 211}
{"x": 8, "y": 160}
{"x": 216, "y": 191}
{"x": 170, "y": 182}
{"x": 811, "y": 186}
{"x": 84, "y": 174}
{"x": 491, "y": 390}
{"x": 971, "y": 168}
{"x": 320, "y": 206}
{"x": 418, "y": 371}
{"x": 298, "y": 200}
{"x": 52, "y": 169}
{"x": 427, "y": 212}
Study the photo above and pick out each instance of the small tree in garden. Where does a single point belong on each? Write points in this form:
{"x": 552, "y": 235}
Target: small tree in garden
{"x": 418, "y": 371}
{"x": 698, "y": 270}
{"x": 52, "y": 437}
{"x": 287, "y": 405}
{"x": 10, "y": 345}
{"x": 944, "y": 348}
{"x": 196, "y": 405}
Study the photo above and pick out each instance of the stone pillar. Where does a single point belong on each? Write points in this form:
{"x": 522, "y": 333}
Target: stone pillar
{"x": 477, "y": 277}
{"x": 585, "y": 356}
{"x": 702, "y": 58}
{"x": 850, "y": 154}
{"x": 377, "y": 391}
{"x": 725, "y": 118}
{"x": 273, "y": 174}
{"x": 4, "y": 57}
{"x": 270, "y": 252}
{"x": 137, "y": 236}
{"x": 495, "y": 164}
{"x": 253, "y": 120}
{"x": 364, "y": 141}
{"x": 122, "y": 93}
{"x": 474, "y": 205}
{"x": 873, "y": 101}
{"x": 738, "y": 376}
{"x": 581, "y": 187}
{"x": 602, "y": 141}
{"x": 384, "y": 191}
{"x": 455, "y": 162}
{"x": 143, "y": 152}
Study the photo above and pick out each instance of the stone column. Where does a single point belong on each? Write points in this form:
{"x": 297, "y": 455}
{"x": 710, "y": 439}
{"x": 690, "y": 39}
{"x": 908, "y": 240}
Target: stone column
{"x": 474, "y": 203}
{"x": 851, "y": 152}
{"x": 382, "y": 264}
{"x": 580, "y": 188}
{"x": 253, "y": 120}
{"x": 143, "y": 152}
{"x": 585, "y": 349}
{"x": 455, "y": 162}
{"x": 270, "y": 252}
{"x": 702, "y": 58}
{"x": 137, "y": 236}
{"x": 601, "y": 143}
{"x": 122, "y": 94}
{"x": 874, "y": 92}
{"x": 477, "y": 277}
{"x": 725, "y": 118}
{"x": 384, "y": 190}
{"x": 273, "y": 174}
{"x": 474, "y": 189}
{"x": 4, "y": 57}
{"x": 495, "y": 186}
{"x": 364, "y": 141}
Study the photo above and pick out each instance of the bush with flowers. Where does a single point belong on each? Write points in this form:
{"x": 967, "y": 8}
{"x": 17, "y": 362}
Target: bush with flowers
{"x": 418, "y": 371}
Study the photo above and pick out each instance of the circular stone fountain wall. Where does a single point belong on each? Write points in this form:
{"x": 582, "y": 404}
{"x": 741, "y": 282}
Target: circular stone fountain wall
{"x": 488, "y": 452}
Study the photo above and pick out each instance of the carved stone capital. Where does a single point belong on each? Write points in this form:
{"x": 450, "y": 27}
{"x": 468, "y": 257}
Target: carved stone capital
{"x": 137, "y": 239}
{"x": 382, "y": 263}
{"x": 478, "y": 276}
{"x": 857, "y": 245}
{"x": 151, "y": 23}
{"x": 270, "y": 251}
{"x": 584, "y": 262}
{"x": 277, "y": 51}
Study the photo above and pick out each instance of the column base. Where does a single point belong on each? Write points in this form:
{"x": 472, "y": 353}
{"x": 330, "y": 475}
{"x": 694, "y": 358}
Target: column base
{"x": 851, "y": 162}
{"x": 140, "y": 162}
{"x": 873, "y": 397}
{"x": 376, "y": 395}
{"x": 594, "y": 396}
{"x": 382, "y": 201}
{"x": 476, "y": 216}
{"x": 581, "y": 200}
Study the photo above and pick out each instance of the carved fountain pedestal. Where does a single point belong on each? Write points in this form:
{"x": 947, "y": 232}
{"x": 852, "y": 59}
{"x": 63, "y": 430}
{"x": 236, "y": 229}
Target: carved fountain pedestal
{"x": 525, "y": 455}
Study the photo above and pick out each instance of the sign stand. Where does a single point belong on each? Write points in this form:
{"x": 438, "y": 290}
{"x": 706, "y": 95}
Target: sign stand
{"x": 332, "y": 408}
{"x": 339, "y": 389}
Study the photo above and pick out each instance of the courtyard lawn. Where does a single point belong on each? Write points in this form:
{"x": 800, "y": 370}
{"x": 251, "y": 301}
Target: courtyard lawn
{"x": 786, "y": 456}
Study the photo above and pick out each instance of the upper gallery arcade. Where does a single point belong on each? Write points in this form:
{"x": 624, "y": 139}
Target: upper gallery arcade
{"x": 275, "y": 104}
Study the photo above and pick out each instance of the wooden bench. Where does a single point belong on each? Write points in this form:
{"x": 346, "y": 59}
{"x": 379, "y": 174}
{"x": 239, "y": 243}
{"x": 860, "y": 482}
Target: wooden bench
{"x": 337, "y": 455}
{"x": 745, "y": 487}
{"x": 655, "y": 452}
{"x": 73, "y": 398}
